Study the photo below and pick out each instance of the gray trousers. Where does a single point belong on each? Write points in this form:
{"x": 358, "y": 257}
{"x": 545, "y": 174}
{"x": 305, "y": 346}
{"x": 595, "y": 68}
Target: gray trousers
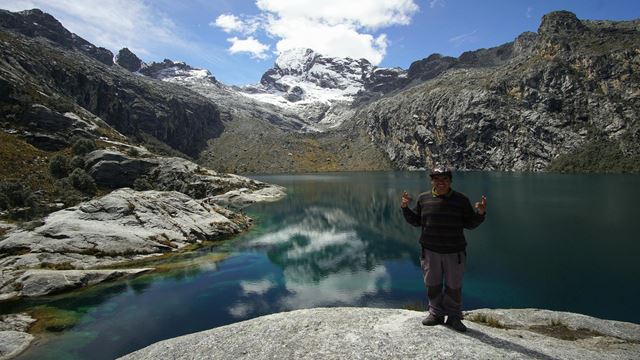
{"x": 442, "y": 275}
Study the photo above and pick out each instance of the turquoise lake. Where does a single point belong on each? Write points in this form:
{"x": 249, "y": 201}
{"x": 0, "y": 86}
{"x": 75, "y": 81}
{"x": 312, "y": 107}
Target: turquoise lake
{"x": 560, "y": 242}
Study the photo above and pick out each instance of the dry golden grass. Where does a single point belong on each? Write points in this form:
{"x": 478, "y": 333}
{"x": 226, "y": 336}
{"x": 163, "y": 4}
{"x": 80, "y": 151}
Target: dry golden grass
{"x": 23, "y": 162}
{"x": 486, "y": 320}
{"x": 314, "y": 158}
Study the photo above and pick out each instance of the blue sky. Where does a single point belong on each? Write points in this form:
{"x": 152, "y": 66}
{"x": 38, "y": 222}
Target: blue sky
{"x": 237, "y": 40}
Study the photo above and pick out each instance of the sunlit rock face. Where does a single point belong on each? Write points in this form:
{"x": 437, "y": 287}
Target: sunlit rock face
{"x": 344, "y": 333}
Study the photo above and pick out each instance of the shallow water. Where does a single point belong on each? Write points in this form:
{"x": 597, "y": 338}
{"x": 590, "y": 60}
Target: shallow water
{"x": 561, "y": 242}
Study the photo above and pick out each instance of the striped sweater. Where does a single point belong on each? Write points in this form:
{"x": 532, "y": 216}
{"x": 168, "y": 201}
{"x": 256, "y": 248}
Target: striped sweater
{"x": 443, "y": 219}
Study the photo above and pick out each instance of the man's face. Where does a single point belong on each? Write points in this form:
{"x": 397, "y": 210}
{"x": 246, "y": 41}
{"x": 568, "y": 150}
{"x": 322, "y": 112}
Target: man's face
{"x": 441, "y": 183}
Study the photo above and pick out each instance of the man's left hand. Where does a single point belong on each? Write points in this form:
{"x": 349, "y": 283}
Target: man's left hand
{"x": 481, "y": 206}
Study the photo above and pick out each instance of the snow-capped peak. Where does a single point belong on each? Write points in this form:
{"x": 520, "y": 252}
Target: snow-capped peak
{"x": 296, "y": 60}
{"x": 178, "y": 72}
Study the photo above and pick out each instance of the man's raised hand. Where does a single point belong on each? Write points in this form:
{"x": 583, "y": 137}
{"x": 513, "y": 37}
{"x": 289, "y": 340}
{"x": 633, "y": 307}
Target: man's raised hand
{"x": 405, "y": 200}
{"x": 481, "y": 206}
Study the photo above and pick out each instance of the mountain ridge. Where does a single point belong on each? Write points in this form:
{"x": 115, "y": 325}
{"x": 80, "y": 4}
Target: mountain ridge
{"x": 532, "y": 104}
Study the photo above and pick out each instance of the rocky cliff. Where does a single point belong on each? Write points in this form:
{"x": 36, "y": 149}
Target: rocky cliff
{"x": 568, "y": 89}
{"x": 348, "y": 333}
{"x": 42, "y": 65}
{"x": 35, "y": 23}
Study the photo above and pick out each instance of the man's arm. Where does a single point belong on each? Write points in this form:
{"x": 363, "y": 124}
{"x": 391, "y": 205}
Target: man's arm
{"x": 472, "y": 218}
{"x": 413, "y": 217}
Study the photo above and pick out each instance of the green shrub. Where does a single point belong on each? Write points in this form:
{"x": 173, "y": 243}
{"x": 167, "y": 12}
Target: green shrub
{"x": 133, "y": 152}
{"x": 21, "y": 202}
{"x": 67, "y": 193}
{"x": 83, "y": 182}
{"x": 59, "y": 166}
{"x": 142, "y": 184}
{"x": 16, "y": 194}
{"x": 4, "y": 202}
{"x": 83, "y": 146}
{"x": 77, "y": 162}
{"x": 599, "y": 155}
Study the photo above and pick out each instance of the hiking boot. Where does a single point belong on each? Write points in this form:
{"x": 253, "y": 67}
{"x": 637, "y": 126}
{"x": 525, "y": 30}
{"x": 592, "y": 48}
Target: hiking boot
{"x": 432, "y": 320}
{"x": 456, "y": 324}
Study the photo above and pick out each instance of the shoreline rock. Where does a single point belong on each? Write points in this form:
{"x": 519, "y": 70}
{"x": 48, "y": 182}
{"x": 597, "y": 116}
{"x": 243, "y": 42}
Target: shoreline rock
{"x": 34, "y": 283}
{"x": 13, "y": 336}
{"x": 343, "y": 333}
{"x": 124, "y": 225}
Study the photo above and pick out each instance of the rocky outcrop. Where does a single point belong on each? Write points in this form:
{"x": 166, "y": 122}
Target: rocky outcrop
{"x": 566, "y": 87}
{"x": 436, "y": 64}
{"x": 129, "y": 60}
{"x": 13, "y": 334}
{"x": 347, "y": 333}
{"x": 38, "y": 71}
{"x": 50, "y": 130}
{"x": 241, "y": 198}
{"x": 44, "y": 282}
{"x": 113, "y": 169}
{"x": 122, "y": 226}
{"x": 35, "y": 23}
{"x": 118, "y": 226}
{"x": 178, "y": 72}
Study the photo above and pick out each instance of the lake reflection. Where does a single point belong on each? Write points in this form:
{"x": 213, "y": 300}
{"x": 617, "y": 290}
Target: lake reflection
{"x": 340, "y": 240}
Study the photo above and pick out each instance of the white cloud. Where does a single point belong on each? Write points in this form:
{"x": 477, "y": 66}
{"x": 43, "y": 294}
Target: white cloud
{"x": 464, "y": 38}
{"x": 528, "y": 14}
{"x": 331, "y": 40}
{"x": 330, "y": 27}
{"x": 346, "y": 287}
{"x": 249, "y": 45}
{"x": 240, "y": 310}
{"x": 112, "y": 24}
{"x": 434, "y": 3}
{"x": 371, "y": 14}
{"x": 231, "y": 23}
{"x": 228, "y": 23}
{"x": 256, "y": 287}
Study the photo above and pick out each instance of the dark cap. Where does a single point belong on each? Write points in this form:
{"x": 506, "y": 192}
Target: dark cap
{"x": 440, "y": 170}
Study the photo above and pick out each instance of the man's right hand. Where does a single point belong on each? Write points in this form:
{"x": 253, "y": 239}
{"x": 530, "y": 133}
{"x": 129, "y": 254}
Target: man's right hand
{"x": 405, "y": 200}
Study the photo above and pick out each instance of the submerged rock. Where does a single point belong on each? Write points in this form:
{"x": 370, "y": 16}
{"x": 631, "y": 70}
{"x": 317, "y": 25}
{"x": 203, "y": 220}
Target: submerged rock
{"x": 346, "y": 333}
{"x": 13, "y": 336}
{"x": 43, "y": 282}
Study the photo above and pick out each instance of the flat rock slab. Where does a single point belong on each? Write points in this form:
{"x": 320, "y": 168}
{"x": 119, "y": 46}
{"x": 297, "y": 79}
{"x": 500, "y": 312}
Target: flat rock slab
{"x": 241, "y": 198}
{"x": 13, "y": 343}
{"x": 364, "y": 333}
{"x": 43, "y": 282}
{"x": 13, "y": 338}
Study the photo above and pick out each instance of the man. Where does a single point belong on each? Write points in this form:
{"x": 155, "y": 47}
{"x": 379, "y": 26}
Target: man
{"x": 443, "y": 214}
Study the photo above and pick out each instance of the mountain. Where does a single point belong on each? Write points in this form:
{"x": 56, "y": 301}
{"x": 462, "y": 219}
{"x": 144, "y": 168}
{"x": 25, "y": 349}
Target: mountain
{"x": 312, "y": 84}
{"x": 178, "y": 72}
{"x": 49, "y": 75}
{"x": 35, "y": 23}
{"x": 566, "y": 99}
{"x": 129, "y": 60}
{"x": 563, "y": 98}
